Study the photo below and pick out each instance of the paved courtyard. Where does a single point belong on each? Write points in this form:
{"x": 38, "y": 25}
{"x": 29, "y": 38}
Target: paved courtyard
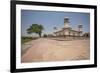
{"x": 46, "y": 49}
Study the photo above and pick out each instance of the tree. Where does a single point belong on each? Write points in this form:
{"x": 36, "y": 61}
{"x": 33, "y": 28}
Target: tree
{"x": 35, "y": 28}
{"x": 45, "y": 35}
{"x": 55, "y": 28}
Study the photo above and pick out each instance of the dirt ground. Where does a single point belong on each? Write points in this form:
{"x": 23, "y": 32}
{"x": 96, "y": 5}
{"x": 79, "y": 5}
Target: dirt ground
{"x": 45, "y": 49}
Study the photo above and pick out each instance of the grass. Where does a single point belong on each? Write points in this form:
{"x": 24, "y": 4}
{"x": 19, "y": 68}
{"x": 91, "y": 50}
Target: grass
{"x": 26, "y": 39}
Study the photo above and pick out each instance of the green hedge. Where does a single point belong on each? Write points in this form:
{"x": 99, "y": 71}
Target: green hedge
{"x": 26, "y": 39}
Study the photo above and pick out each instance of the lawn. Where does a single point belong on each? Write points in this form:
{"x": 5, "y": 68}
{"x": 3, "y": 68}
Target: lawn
{"x": 26, "y": 39}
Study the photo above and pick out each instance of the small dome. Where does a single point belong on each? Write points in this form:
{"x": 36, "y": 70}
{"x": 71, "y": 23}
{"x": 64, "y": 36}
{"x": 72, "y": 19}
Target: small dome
{"x": 80, "y": 26}
{"x": 66, "y": 17}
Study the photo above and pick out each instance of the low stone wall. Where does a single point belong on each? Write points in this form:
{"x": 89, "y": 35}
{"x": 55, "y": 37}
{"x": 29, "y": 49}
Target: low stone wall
{"x": 69, "y": 38}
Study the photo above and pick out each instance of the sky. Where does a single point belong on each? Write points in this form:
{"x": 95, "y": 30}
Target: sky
{"x": 51, "y": 19}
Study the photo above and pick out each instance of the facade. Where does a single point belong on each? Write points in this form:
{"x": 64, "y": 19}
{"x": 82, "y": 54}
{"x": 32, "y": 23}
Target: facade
{"x": 68, "y": 31}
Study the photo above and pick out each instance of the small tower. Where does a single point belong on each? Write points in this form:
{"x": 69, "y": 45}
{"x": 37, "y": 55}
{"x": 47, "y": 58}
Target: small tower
{"x": 66, "y": 22}
{"x": 80, "y": 29}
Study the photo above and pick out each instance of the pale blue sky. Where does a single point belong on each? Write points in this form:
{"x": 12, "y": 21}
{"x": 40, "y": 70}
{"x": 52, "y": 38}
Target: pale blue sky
{"x": 50, "y": 19}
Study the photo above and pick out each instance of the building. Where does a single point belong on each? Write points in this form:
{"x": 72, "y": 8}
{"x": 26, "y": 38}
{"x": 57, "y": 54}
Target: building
{"x": 67, "y": 31}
